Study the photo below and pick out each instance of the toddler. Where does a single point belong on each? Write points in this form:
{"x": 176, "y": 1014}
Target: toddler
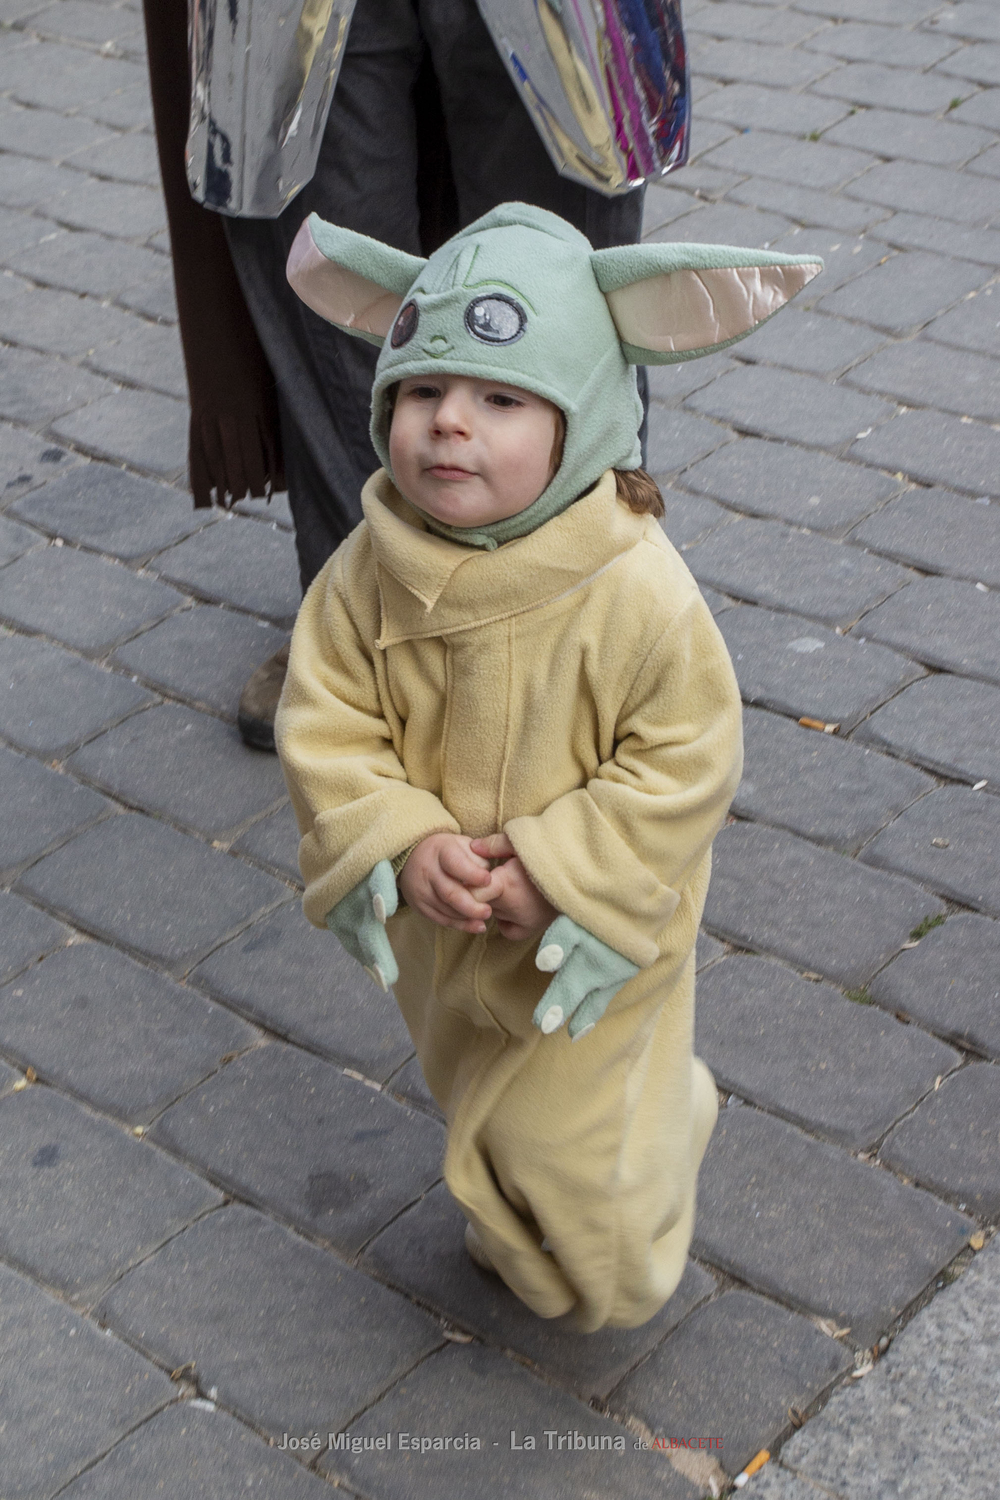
{"x": 511, "y": 730}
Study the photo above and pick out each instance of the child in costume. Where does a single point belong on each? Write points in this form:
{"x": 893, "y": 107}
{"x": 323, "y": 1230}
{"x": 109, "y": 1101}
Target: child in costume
{"x": 506, "y": 693}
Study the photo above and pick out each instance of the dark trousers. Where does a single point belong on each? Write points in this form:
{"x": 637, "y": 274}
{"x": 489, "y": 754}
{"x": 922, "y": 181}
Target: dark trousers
{"x": 425, "y": 134}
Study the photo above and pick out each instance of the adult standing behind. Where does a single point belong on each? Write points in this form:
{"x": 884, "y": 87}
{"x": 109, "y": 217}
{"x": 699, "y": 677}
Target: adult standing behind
{"x": 425, "y": 134}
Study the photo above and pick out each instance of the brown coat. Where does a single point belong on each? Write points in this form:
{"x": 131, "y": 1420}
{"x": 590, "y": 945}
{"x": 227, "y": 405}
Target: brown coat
{"x": 234, "y": 443}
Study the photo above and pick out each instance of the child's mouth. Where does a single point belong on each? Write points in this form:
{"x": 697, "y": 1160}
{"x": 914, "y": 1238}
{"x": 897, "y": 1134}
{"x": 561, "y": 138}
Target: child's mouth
{"x": 449, "y": 471}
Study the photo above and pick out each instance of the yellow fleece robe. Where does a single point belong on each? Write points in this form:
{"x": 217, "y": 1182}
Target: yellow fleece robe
{"x": 572, "y": 689}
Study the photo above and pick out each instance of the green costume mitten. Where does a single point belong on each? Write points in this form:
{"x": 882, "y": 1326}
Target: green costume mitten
{"x": 359, "y": 922}
{"x": 588, "y": 976}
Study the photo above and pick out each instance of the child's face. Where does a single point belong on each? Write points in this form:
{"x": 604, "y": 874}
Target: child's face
{"x": 470, "y": 452}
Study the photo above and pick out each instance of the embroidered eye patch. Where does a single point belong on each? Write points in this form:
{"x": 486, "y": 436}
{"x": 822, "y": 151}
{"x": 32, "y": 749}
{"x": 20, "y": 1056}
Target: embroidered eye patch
{"x": 495, "y": 319}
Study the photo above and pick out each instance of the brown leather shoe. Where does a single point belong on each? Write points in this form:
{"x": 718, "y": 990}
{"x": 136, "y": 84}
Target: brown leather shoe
{"x": 259, "y": 701}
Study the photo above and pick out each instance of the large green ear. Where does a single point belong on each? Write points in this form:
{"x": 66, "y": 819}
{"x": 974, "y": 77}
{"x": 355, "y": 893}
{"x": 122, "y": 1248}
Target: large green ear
{"x": 675, "y": 302}
{"x": 351, "y": 280}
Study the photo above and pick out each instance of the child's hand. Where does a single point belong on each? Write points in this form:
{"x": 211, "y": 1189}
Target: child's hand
{"x": 518, "y": 905}
{"x": 436, "y": 879}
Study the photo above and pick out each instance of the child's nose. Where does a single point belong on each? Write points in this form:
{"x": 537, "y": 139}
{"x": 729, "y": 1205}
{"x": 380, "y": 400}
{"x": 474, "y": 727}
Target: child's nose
{"x": 453, "y": 414}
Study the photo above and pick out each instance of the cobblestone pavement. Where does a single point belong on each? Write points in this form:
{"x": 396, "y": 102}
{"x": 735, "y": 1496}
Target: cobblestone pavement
{"x": 223, "y": 1219}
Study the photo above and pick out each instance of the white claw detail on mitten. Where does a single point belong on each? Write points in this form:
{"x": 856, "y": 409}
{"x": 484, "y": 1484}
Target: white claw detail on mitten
{"x": 588, "y": 976}
{"x": 359, "y": 922}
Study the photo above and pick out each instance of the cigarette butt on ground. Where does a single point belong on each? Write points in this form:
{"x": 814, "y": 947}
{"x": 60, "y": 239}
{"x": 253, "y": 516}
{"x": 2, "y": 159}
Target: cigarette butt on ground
{"x": 757, "y": 1462}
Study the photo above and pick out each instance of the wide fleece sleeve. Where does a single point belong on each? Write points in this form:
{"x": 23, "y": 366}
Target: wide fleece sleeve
{"x": 615, "y": 854}
{"x": 348, "y": 787}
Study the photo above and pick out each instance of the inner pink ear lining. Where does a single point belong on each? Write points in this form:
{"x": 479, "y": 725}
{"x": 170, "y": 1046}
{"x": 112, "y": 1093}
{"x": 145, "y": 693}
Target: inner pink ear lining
{"x": 680, "y": 311}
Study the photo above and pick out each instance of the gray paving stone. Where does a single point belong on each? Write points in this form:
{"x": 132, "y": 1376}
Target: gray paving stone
{"x": 300, "y": 1139}
{"x": 775, "y": 893}
{"x": 27, "y": 461}
{"x": 948, "y": 1144}
{"x": 45, "y": 133}
{"x": 86, "y": 22}
{"x": 141, "y": 428}
{"x": 124, "y": 1039}
{"x": 274, "y": 841}
{"x": 936, "y": 449}
{"x": 148, "y": 356}
{"x": 771, "y": 564}
{"x": 294, "y": 1340}
{"x": 63, "y": 77}
{"x": 949, "y": 841}
{"x": 68, "y": 1392}
{"x": 917, "y": 232}
{"x": 776, "y": 403}
{"x": 794, "y": 484}
{"x": 732, "y": 1371}
{"x": 300, "y": 983}
{"x": 773, "y": 1482}
{"x": 138, "y": 883}
{"x": 41, "y": 809}
{"x": 939, "y": 142}
{"x": 706, "y": 134}
{"x": 981, "y": 109}
{"x": 409, "y": 1085}
{"x": 848, "y": 215}
{"x": 25, "y": 934}
{"x": 919, "y": 188}
{"x": 35, "y": 389}
{"x": 925, "y": 1418}
{"x": 84, "y": 262}
{"x": 16, "y": 540}
{"x": 209, "y": 1457}
{"x": 800, "y": 1050}
{"x": 709, "y": 949}
{"x": 908, "y": 291}
{"x": 183, "y": 765}
{"x": 154, "y": 298}
{"x": 861, "y": 42}
{"x": 950, "y": 982}
{"x": 671, "y": 383}
{"x": 988, "y": 165}
{"x": 277, "y": 509}
{"x": 977, "y": 19}
{"x": 808, "y": 341}
{"x": 802, "y": 1221}
{"x": 81, "y": 599}
{"x": 750, "y": 22}
{"x": 943, "y": 622}
{"x": 755, "y": 62}
{"x": 828, "y": 789}
{"x": 127, "y": 158}
{"x": 112, "y": 511}
{"x": 808, "y": 671}
{"x": 939, "y": 532}
{"x": 973, "y": 324}
{"x": 59, "y": 322}
{"x": 691, "y": 516}
{"x": 127, "y": 109}
{"x": 677, "y": 439}
{"x": 664, "y": 203}
{"x": 51, "y": 701}
{"x": 724, "y": 224}
{"x": 108, "y": 207}
{"x": 240, "y": 562}
{"x": 204, "y": 654}
{"x": 806, "y": 163}
{"x": 708, "y": 181}
{"x": 31, "y": 184}
{"x": 83, "y": 1200}
{"x": 477, "y": 1391}
{"x": 751, "y": 107}
{"x": 926, "y": 374}
{"x": 980, "y": 62}
{"x": 423, "y": 1254}
{"x": 890, "y": 88}
{"x": 946, "y": 723}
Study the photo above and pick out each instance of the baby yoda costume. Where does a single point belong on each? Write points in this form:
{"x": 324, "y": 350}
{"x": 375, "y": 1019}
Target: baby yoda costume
{"x": 557, "y": 676}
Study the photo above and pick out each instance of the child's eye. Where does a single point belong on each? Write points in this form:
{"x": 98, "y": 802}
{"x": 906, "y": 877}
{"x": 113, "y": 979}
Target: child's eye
{"x": 497, "y": 398}
{"x": 424, "y": 392}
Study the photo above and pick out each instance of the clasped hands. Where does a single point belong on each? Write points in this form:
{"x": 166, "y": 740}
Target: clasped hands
{"x": 460, "y": 882}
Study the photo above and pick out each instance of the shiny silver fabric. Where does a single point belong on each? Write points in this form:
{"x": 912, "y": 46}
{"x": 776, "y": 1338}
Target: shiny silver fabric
{"x": 263, "y": 74}
{"x": 605, "y": 82}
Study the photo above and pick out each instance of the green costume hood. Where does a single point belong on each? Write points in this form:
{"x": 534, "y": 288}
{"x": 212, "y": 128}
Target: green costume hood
{"x": 521, "y": 297}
